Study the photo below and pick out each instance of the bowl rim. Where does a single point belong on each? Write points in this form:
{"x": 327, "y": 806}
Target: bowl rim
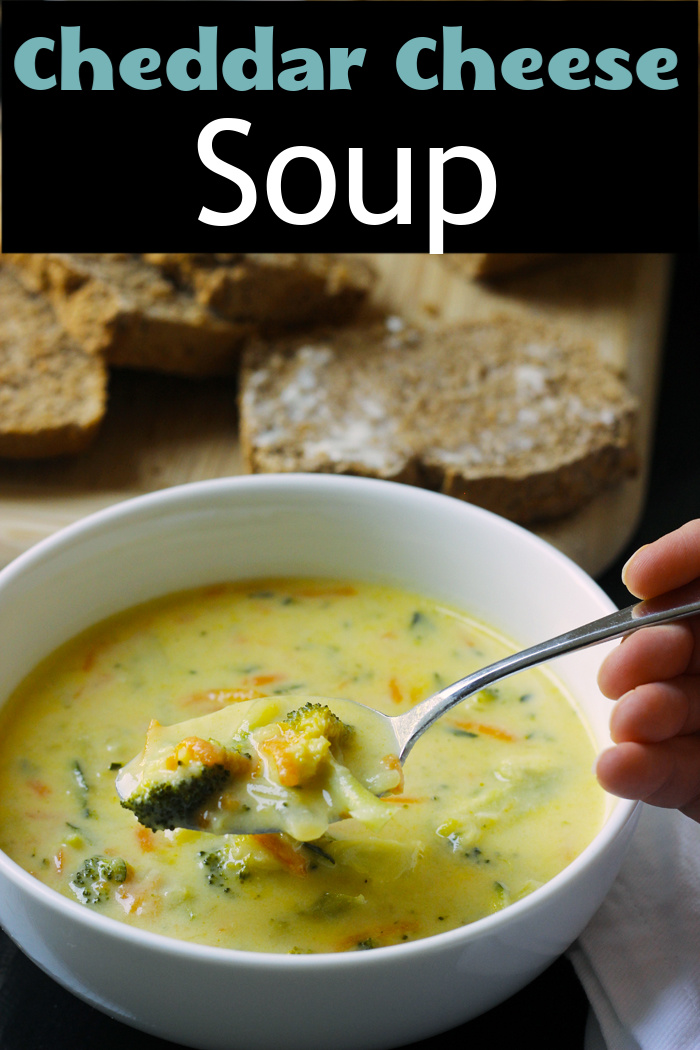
{"x": 623, "y": 810}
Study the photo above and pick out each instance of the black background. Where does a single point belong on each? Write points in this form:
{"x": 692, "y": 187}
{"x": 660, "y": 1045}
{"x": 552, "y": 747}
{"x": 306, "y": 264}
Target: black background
{"x": 589, "y": 170}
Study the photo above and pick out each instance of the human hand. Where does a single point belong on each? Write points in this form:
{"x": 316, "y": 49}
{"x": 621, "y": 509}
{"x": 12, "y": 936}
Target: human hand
{"x": 654, "y": 674}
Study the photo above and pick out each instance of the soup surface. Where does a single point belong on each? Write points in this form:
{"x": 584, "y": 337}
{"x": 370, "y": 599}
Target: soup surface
{"x": 498, "y": 796}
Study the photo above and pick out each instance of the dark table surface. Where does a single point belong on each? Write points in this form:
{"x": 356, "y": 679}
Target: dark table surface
{"x": 36, "y": 1014}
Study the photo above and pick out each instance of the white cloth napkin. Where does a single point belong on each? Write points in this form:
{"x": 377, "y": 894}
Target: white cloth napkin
{"x": 639, "y": 957}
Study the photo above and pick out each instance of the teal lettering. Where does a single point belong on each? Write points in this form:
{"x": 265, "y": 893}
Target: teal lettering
{"x": 133, "y": 66}
{"x": 72, "y": 59}
{"x": 205, "y": 57}
{"x": 564, "y": 64}
{"x": 517, "y": 64}
{"x": 407, "y": 63}
{"x": 341, "y": 62}
{"x": 232, "y": 68}
{"x": 307, "y": 76}
{"x": 25, "y": 63}
{"x": 610, "y": 61}
{"x": 454, "y": 59}
{"x": 658, "y": 60}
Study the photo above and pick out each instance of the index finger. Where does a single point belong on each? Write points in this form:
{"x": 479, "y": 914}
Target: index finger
{"x": 668, "y": 562}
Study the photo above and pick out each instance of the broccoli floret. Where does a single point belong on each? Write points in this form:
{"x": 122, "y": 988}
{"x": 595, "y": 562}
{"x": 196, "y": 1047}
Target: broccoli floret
{"x": 172, "y": 785}
{"x": 222, "y": 868}
{"x": 300, "y": 745}
{"x": 318, "y": 720}
{"x": 173, "y": 803}
{"x": 91, "y": 884}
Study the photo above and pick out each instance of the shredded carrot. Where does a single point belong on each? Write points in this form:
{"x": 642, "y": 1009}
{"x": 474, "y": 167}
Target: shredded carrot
{"x": 134, "y": 900}
{"x": 286, "y": 760}
{"x": 214, "y": 699}
{"x": 393, "y": 762}
{"x": 125, "y": 899}
{"x": 265, "y": 679}
{"x": 39, "y": 787}
{"x": 380, "y": 935}
{"x": 282, "y": 850}
{"x": 58, "y": 860}
{"x": 201, "y": 750}
{"x": 395, "y": 692}
{"x": 196, "y": 748}
{"x": 146, "y": 838}
{"x": 485, "y": 730}
{"x": 403, "y": 798}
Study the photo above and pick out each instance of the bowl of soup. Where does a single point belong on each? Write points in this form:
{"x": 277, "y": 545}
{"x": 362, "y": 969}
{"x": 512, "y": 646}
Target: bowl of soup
{"x": 413, "y": 914}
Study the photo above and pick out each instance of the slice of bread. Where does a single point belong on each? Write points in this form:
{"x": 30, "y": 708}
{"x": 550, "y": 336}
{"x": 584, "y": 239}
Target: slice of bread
{"x": 117, "y": 305}
{"x": 493, "y": 264}
{"x": 272, "y": 291}
{"x": 52, "y": 391}
{"x": 511, "y": 416}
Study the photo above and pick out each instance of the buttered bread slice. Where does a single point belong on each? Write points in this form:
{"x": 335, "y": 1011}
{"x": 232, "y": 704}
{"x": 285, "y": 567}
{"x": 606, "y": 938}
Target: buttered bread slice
{"x": 52, "y": 391}
{"x": 510, "y": 415}
{"x": 117, "y": 305}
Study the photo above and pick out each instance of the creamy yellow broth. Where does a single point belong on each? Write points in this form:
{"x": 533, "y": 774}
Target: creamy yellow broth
{"x": 498, "y": 797}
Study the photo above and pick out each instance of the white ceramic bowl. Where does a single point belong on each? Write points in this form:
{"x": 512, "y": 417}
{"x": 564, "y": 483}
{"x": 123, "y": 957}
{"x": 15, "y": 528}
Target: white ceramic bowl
{"x": 303, "y": 525}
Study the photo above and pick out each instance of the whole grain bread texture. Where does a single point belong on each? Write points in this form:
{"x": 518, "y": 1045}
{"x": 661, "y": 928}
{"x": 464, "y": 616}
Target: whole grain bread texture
{"x": 514, "y": 417}
{"x": 117, "y": 305}
{"x": 52, "y": 391}
{"x": 271, "y": 291}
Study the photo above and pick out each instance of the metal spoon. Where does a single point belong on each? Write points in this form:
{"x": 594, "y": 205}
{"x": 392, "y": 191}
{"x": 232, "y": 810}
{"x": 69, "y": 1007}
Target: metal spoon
{"x": 269, "y": 807}
{"x": 675, "y": 605}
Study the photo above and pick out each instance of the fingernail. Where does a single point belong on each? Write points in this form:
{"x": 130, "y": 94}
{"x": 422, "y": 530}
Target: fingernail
{"x": 629, "y": 561}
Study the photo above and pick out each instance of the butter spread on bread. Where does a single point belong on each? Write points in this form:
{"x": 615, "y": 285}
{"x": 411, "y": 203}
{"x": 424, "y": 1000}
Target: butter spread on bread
{"x": 513, "y": 416}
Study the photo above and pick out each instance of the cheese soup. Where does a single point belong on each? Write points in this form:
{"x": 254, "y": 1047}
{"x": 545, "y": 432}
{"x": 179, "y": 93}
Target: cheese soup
{"x": 498, "y": 796}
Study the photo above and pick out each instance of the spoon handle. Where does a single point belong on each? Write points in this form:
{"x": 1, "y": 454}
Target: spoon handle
{"x": 675, "y": 605}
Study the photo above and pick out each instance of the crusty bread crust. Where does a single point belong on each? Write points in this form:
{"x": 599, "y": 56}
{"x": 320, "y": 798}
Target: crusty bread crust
{"x": 273, "y": 291}
{"x": 513, "y": 416}
{"x": 52, "y": 392}
{"x": 117, "y": 305}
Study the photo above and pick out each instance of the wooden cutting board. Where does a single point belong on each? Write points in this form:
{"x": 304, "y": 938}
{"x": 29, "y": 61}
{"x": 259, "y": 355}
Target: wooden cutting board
{"x": 162, "y": 431}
